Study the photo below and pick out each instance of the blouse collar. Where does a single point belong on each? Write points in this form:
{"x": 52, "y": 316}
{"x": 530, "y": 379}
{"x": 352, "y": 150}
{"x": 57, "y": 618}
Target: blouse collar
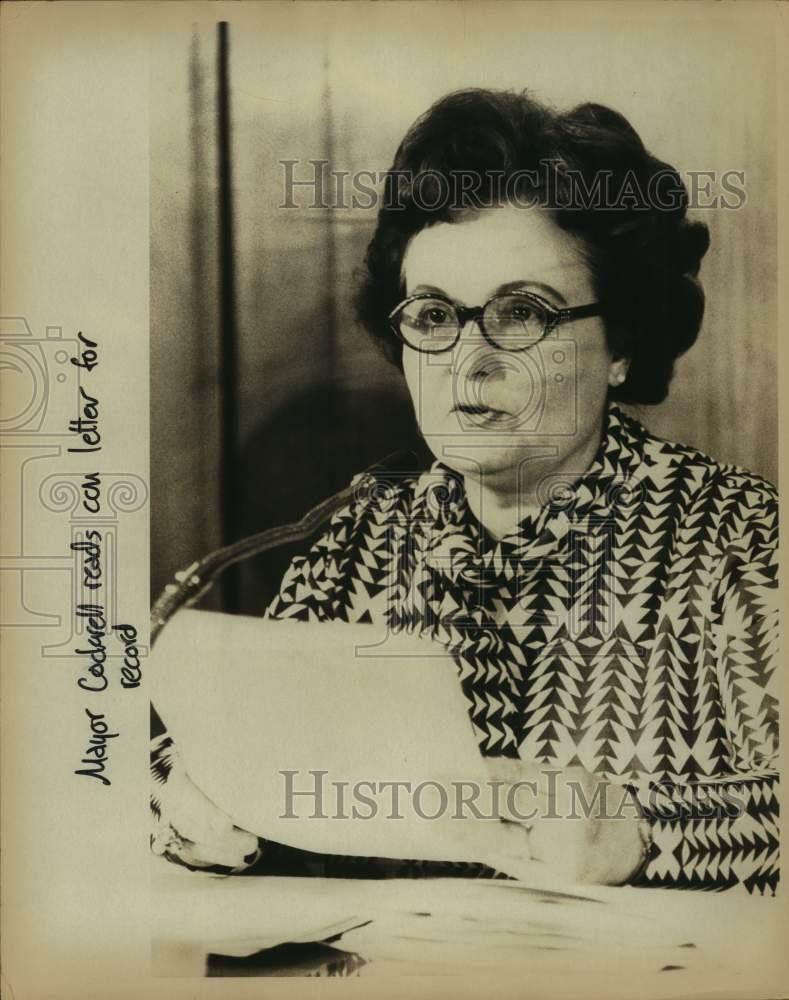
{"x": 454, "y": 540}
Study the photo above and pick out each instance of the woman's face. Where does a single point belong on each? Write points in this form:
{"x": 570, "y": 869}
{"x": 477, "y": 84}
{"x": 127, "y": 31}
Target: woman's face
{"x": 485, "y": 410}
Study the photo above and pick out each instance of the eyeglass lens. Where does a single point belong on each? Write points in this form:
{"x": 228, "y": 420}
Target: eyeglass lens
{"x": 510, "y": 320}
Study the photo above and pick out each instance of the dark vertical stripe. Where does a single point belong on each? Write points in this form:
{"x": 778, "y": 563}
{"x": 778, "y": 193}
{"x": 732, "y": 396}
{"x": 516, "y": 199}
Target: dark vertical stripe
{"x": 330, "y": 235}
{"x": 227, "y": 314}
{"x": 334, "y": 414}
{"x": 202, "y": 332}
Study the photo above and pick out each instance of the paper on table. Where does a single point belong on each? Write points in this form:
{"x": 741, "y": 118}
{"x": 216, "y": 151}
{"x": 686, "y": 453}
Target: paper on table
{"x": 444, "y": 927}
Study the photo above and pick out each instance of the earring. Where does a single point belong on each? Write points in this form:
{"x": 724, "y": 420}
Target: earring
{"x": 620, "y": 377}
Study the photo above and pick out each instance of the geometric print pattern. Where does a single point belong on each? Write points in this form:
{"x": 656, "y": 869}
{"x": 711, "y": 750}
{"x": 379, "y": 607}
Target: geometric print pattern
{"x": 629, "y": 627}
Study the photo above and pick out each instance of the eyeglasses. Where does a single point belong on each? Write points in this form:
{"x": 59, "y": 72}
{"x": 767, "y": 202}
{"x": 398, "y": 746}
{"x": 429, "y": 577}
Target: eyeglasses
{"x": 511, "y": 321}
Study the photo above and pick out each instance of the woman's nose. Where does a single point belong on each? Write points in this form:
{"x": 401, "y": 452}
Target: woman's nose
{"x": 473, "y": 356}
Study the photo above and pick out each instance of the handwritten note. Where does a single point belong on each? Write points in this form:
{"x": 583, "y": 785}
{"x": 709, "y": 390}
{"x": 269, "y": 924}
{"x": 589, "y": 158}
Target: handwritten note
{"x": 98, "y": 635}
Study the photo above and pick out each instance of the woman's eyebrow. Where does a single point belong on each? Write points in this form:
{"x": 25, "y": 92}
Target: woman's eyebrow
{"x": 511, "y": 286}
{"x": 540, "y": 286}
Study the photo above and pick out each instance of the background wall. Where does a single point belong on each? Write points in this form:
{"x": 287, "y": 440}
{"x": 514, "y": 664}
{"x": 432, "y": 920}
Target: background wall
{"x": 342, "y": 82}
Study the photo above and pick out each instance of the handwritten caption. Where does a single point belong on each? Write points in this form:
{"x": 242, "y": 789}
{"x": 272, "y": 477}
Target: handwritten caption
{"x": 95, "y": 649}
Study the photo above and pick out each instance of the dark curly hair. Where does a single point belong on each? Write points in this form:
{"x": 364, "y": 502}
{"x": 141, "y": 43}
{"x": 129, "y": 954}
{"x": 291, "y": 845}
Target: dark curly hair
{"x": 643, "y": 254}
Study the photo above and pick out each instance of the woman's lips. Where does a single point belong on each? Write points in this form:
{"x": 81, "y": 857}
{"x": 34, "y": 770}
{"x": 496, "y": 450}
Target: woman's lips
{"x": 479, "y": 410}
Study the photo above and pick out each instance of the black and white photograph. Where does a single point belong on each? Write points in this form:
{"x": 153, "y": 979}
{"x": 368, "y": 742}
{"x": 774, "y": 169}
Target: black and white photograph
{"x": 418, "y": 366}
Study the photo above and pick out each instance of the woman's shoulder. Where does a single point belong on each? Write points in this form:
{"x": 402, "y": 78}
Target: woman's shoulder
{"x": 731, "y": 499}
{"x": 671, "y": 458}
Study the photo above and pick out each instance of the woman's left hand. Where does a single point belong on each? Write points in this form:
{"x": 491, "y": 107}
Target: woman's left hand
{"x": 190, "y": 830}
{"x": 582, "y": 828}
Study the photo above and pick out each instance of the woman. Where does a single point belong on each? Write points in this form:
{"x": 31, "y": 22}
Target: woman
{"x": 609, "y": 597}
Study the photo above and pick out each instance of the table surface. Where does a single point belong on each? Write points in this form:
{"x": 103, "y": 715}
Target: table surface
{"x": 596, "y": 940}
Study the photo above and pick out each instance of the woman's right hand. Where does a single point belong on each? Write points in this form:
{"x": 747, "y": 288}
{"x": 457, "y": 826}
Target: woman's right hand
{"x": 188, "y": 828}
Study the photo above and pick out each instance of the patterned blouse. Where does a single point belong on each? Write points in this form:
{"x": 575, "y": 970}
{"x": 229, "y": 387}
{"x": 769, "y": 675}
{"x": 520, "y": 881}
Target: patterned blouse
{"x": 630, "y": 628}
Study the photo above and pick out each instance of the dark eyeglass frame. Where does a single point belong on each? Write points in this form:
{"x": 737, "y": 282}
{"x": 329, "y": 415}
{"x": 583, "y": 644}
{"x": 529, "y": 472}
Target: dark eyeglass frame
{"x": 554, "y": 317}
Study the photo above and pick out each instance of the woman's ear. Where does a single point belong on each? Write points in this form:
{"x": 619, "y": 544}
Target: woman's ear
{"x": 617, "y": 373}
